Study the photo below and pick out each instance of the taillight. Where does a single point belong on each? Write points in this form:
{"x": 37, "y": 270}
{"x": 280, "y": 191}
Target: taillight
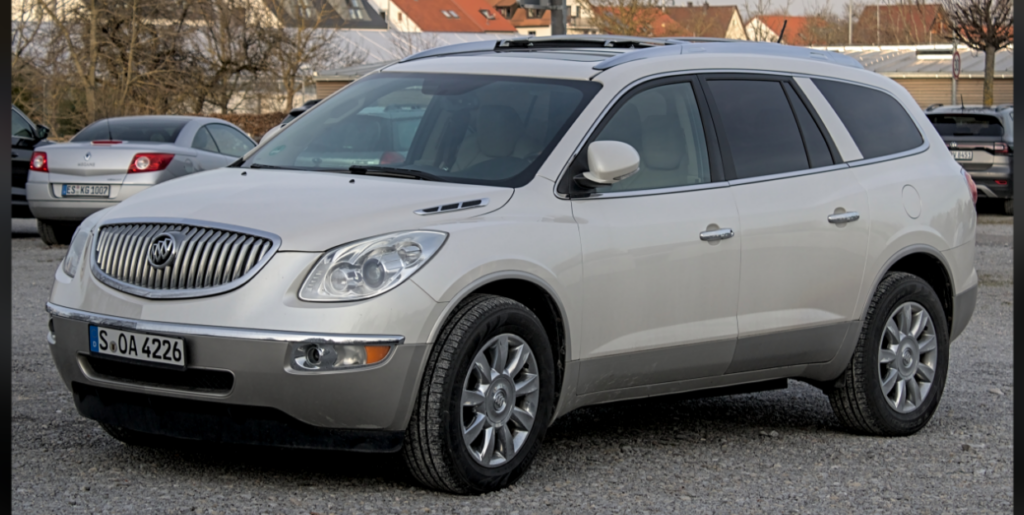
{"x": 970, "y": 185}
{"x": 106, "y": 142}
{"x": 38, "y": 162}
{"x": 1001, "y": 148}
{"x": 150, "y": 162}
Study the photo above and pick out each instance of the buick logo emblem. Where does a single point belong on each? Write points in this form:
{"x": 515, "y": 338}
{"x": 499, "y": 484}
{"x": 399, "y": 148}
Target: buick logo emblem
{"x": 162, "y": 250}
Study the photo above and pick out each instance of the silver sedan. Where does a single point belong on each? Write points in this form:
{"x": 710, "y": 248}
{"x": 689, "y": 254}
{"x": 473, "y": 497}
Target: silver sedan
{"x": 113, "y": 159}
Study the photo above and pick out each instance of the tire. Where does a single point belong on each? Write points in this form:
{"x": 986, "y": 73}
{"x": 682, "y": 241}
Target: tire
{"x": 1008, "y": 207}
{"x": 56, "y": 233}
{"x": 857, "y": 397}
{"x": 435, "y": 451}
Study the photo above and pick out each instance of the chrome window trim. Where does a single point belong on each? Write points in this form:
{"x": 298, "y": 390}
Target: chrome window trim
{"x": 172, "y": 329}
{"x": 786, "y": 175}
{"x": 848, "y": 149}
{"x": 147, "y": 293}
{"x": 656, "y": 191}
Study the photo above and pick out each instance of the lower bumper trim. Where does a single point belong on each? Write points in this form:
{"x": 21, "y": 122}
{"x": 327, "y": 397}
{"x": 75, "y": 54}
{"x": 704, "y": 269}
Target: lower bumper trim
{"x": 222, "y": 423}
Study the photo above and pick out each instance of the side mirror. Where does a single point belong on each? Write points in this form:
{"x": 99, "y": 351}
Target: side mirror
{"x": 610, "y": 162}
{"x": 42, "y": 131}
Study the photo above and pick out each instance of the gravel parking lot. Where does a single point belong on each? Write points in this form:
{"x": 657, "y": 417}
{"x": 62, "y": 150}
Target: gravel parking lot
{"x": 771, "y": 452}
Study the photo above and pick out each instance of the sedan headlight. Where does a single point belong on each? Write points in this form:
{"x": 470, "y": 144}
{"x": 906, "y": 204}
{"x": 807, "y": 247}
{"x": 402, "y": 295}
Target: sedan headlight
{"x": 369, "y": 267}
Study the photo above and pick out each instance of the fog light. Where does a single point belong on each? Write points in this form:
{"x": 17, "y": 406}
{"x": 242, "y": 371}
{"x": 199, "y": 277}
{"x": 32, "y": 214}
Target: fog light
{"x": 327, "y": 357}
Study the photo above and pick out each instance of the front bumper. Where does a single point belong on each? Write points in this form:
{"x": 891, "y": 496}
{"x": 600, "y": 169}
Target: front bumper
{"x": 373, "y": 398}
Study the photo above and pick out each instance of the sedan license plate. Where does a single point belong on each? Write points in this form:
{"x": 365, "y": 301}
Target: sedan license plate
{"x": 85, "y": 190}
{"x": 962, "y": 155}
{"x": 137, "y": 346}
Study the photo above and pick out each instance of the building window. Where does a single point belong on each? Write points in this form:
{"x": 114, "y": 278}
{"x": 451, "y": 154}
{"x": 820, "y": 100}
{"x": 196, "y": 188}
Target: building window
{"x": 449, "y": 14}
{"x": 506, "y": 12}
{"x": 532, "y": 33}
{"x": 355, "y": 14}
{"x": 399, "y": 16}
{"x": 305, "y": 9}
{"x": 534, "y": 13}
{"x": 487, "y": 14}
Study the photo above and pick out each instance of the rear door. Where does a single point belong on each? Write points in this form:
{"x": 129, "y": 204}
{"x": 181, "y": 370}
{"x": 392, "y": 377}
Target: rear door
{"x": 803, "y": 215}
{"x": 659, "y": 288}
{"x": 23, "y": 140}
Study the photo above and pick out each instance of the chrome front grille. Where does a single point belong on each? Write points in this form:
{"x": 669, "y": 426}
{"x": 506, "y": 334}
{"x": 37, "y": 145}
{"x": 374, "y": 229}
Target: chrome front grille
{"x": 205, "y": 260}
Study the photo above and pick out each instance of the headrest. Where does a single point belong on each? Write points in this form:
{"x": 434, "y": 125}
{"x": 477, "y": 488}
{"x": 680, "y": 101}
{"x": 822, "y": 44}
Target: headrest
{"x": 662, "y": 142}
{"x": 498, "y": 130}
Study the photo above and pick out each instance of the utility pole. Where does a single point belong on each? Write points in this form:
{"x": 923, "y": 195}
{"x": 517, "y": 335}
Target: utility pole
{"x": 558, "y": 13}
{"x": 956, "y": 66}
{"x": 849, "y": 16}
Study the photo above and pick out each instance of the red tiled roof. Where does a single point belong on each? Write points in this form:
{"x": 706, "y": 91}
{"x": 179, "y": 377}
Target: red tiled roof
{"x": 428, "y": 15}
{"x": 796, "y": 28}
{"x": 700, "y": 21}
{"x": 519, "y": 19}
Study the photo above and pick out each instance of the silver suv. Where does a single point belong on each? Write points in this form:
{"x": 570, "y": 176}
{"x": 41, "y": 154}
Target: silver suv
{"x": 545, "y": 224}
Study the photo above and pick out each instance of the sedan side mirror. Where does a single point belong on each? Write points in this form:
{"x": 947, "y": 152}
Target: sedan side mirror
{"x": 610, "y": 162}
{"x": 42, "y": 131}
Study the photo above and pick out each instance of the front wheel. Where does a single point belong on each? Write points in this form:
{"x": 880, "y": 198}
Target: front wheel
{"x": 898, "y": 371}
{"x": 486, "y": 399}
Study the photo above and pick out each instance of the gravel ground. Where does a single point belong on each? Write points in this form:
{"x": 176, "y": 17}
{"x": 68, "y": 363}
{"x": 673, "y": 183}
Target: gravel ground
{"x": 770, "y": 452}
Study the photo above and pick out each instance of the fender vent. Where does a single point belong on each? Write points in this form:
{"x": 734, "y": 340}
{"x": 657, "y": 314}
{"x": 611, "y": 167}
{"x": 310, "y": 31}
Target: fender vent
{"x": 456, "y": 206}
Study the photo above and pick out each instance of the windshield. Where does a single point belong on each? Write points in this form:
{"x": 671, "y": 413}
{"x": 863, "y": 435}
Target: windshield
{"x": 156, "y": 130}
{"x": 966, "y": 125}
{"x": 459, "y": 128}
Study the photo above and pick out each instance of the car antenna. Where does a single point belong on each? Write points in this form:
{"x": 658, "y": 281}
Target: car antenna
{"x": 782, "y": 32}
{"x": 962, "y": 108}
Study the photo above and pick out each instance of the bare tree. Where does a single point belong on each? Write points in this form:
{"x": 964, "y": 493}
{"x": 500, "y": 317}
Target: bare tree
{"x": 407, "y": 43}
{"x": 824, "y": 26}
{"x": 625, "y": 17}
{"x": 306, "y": 46}
{"x": 983, "y": 25}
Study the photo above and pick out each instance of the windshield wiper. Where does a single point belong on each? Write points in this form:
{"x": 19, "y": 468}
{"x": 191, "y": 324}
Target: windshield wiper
{"x": 258, "y": 165}
{"x": 388, "y": 171}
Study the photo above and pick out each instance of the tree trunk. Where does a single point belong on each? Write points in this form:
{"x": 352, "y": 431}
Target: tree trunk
{"x": 289, "y": 94}
{"x": 988, "y": 96}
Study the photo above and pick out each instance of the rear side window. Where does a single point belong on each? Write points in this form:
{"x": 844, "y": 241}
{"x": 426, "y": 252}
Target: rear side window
{"x": 966, "y": 124}
{"x": 19, "y": 127}
{"x": 230, "y": 141}
{"x": 155, "y": 130}
{"x": 817, "y": 149}
{"x": 760, "y": 129}
{"x": 878, "y": 124}
{"x": 203, "y": 141}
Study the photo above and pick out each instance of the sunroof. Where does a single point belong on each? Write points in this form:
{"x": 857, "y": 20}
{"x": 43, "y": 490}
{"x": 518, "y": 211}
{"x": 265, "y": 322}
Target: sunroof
{"x": 584, "y": 56}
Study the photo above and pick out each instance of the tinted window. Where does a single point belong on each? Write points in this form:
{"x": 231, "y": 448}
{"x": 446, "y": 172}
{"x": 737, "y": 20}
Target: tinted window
{"x": 479, "y": 129}
{"x": 141, "y": 128}
{"x": 877, "y": 123}
{"x": 814, "y": 142}
{"x": 966, "y": 124}
{"x": 230, "y": 141}
{"x": 663, "y": 125}
{"x": 762, "y": 134}
{"x": 20, "y": 128}
{"x": 203, "y": 141}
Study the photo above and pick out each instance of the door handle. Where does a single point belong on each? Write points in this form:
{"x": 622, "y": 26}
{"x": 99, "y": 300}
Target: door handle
{"x": 717, "y": 234}
{"x": 844, "y": 218}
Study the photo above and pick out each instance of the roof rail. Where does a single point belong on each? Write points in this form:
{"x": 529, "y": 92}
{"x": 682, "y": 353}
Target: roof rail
{"x": 1000, "y": 107}
{"x": 545, "y": 42}
{"x": 710, "y": 45}
{"x": 933, "y": 106}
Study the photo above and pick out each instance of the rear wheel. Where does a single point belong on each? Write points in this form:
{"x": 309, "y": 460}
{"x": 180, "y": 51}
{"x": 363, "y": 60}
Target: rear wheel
{"x": 486, "y": 399}
{"x": 56, "y": 233}
{"x": 1008, "y": 206}
{"x": 898, "y": 371}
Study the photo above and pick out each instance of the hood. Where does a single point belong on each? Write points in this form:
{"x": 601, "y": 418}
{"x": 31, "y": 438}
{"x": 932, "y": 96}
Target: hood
{"x": 310, "y": 211}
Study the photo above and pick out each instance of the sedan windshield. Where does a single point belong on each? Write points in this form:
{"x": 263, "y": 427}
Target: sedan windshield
{"x": 459, "y": 128}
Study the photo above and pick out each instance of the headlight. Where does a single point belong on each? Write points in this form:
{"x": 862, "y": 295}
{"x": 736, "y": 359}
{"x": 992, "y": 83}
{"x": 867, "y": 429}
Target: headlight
{"x": 367, "y": 268}
{"x": 76, "y": 250}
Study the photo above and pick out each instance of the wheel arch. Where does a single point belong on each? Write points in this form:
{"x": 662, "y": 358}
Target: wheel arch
{"x": 930, "y": 265}
{"x": 535, "y": 294}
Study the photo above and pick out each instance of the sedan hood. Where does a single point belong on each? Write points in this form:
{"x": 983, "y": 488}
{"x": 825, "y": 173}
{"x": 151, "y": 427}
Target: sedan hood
{"x": 310, "y": 211}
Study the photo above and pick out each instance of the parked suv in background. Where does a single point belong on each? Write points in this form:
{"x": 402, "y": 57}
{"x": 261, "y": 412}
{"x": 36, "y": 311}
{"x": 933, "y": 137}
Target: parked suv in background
{"x": 981, "y": 140}
{"x": 25, "y": 138}
{"x": 571, "y": 221}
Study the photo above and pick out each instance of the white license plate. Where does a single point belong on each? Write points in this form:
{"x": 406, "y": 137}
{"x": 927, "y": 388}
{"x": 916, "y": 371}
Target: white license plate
{"x": 85, "y": 190}
{"x": 962, "y": 155}
{"x": 137, "y": 346}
